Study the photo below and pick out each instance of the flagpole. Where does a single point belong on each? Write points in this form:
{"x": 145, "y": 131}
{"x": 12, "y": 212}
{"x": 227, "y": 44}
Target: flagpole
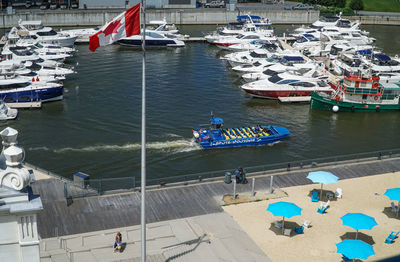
{"x": 143, "y": 151}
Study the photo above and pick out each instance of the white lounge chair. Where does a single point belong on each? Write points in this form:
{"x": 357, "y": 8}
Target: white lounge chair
{"x": 394, "y": 207}
{"x": 325, "y": 205}
{"x": 338, "y": 193}
{"x": 306, "y": 223}
{"x": 287, "y": 231}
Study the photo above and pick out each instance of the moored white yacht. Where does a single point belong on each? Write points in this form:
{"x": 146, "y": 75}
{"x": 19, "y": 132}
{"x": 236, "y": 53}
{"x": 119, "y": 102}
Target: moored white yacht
{"x": 46, "y": 34}
{"x": 153, "y": 39}
{"x": 288, "y": 87}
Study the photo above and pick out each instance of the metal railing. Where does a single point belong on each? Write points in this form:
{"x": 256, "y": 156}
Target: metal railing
{"x": 96, "y": 187}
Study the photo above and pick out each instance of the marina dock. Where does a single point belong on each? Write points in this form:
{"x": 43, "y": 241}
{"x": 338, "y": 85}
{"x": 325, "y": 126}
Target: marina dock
{"x": 186, "y": 40}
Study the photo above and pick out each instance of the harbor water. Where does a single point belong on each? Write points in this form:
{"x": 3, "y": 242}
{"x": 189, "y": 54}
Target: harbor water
{"x": 96, "y": 129}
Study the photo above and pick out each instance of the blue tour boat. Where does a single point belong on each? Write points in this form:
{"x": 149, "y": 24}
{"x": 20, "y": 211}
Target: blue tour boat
{"x": 218, "y": 137}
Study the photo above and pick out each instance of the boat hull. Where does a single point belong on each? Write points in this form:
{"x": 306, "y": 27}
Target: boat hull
{"x": 32, "y": 95}
{"x": 278, "y": 133}
{"x": 150, "y": 43}
{"x": 325, "y": 103}
{"x": 275, "y": 94}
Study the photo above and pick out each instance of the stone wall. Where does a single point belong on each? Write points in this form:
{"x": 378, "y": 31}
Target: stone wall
{"x": 176, "y": 16}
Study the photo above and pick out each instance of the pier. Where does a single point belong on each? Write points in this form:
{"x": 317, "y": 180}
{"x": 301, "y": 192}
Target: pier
{"x": 179, "y": 200}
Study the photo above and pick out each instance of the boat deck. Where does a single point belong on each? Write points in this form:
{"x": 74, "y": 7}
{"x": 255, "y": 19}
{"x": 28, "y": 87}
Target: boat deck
{"x": 243, "y": 132}
{"x": 166, "y": 203}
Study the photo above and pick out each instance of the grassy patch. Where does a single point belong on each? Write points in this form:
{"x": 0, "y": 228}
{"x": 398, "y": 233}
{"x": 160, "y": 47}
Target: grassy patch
{"x": 382, "y": 5}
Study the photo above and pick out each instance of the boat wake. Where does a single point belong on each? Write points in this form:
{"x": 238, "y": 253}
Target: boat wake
{"x": 174, "y": 146}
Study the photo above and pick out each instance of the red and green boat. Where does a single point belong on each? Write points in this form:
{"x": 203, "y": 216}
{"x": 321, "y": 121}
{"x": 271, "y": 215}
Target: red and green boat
{"x": 358, "y": 93}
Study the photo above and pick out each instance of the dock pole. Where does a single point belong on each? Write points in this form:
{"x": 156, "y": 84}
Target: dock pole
{"x": 143, "y": 149}
{"x": 270, "y": 184}
{"x": 253, "y": 182}
{"x": 234, "y": 189}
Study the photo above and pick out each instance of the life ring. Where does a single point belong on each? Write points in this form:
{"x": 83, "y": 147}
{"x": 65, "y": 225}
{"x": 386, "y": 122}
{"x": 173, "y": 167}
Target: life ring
{"x": 376, "y": 98}
{"x": 375, "y": 85}
{"x": 337, "y": 98}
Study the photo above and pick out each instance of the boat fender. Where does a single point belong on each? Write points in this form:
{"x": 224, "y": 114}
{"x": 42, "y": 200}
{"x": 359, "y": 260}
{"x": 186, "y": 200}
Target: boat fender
{"x": 33, "y": 79}
{"x": 37, "y": 79}
{"x": 335, "y": 109}
{"x": 377, "y": 108}
{"x": 376, "y": 98}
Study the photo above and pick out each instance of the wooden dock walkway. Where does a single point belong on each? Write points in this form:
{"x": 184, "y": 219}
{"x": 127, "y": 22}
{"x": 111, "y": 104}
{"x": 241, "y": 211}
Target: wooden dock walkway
{"x": 120, "y": 210}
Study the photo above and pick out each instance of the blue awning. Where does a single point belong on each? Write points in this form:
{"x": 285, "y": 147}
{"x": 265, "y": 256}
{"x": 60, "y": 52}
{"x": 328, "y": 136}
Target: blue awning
{"x": 216, "y": 120}
{"x": 382, "y": 57}
{"x": 309, "y": 35}
{"x": 245, "y": 17}
{"x": 364, "y": 52}
{"x": 293, "y": 58}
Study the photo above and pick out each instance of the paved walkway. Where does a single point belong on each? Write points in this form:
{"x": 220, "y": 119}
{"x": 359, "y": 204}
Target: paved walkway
{"x": 168, "y": 203}
{"x": 214, "y": 237}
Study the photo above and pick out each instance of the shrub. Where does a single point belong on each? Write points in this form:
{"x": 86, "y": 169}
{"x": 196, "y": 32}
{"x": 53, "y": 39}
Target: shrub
{"x": 356, "y": 4}
{"x": 335, "y": 11}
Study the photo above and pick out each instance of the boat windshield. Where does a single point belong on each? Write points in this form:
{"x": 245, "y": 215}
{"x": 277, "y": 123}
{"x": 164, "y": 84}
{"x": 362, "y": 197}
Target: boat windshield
{"x": 47, "y": 33}
{"x": 269, "y": 72}
{"x": 258, "y": 55}
{"x": 287, "y": 81}
{"x": 274, "y": 79}
{"x": 322, "y": 84}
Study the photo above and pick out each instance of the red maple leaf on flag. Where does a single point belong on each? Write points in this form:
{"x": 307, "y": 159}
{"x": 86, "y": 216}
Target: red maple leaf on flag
{"x": 112, "y": 28}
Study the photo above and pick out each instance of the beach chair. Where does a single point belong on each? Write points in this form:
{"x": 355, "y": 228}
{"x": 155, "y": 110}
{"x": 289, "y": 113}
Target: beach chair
{"x": 299, "y": 230}
{"x": 394, "y": 207}
{"x": 287, "y": 231}
{"x": 388, "y": 240}
{"x": 278, "y": 224}
{"x": 338, "y": 193}
{"x": 324, "y": 206}
{"x": 393, "y": 235}
{"x": 314, "y": 196}
{"x": 307, "y": 223}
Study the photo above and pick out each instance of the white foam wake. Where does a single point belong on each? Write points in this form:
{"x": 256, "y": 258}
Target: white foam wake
{"x": 181, "y": 145}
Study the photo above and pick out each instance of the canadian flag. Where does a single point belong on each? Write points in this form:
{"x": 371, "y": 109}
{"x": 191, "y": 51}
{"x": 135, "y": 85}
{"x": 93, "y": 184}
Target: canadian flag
{"x": 124, "y": 25}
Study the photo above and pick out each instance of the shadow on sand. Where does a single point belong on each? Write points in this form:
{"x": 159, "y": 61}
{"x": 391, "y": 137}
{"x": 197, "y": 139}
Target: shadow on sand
{"x": 361, "y": 236}
{"x": 288, "y": 224}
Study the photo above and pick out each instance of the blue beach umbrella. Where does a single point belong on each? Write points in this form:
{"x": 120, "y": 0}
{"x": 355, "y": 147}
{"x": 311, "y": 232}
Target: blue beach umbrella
{"x": 358, "y": 221}
{"x": 322, "y": 177}
{"x": 355, "y": 249}
{"x": 393, "y": 194}
{"x": 284, "y": 209}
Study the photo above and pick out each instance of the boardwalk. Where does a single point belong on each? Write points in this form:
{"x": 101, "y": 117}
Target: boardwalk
{"x": 121, "y": 210}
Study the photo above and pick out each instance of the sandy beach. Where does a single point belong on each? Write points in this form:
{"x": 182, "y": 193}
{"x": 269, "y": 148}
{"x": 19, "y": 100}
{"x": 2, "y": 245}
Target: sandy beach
{"x": 360, "y": 195}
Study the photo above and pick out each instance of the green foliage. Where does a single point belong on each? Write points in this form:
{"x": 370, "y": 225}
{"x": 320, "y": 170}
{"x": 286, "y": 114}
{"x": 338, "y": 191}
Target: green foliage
{"x": 335, "y": 11}
{"x": 340, "y": 3}
{"x": 382, "y": 5}
{"x": 335, "y": 3}
{"x": 356, "y": 4}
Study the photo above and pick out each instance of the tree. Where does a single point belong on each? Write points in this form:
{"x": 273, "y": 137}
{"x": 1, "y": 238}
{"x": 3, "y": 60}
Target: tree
{"x": 356, "y": 5}
{"x": 340, "y": 3}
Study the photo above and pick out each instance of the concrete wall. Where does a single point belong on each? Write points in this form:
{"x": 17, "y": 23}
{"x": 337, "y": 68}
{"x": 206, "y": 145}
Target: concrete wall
{"x": 92, "y": 4}
{"x": 176, "y": 16}
{"x": 376, "y": 20}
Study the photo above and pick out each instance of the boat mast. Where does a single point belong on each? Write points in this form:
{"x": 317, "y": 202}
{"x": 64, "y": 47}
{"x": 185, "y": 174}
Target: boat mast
{"x": 143, "y": 146}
